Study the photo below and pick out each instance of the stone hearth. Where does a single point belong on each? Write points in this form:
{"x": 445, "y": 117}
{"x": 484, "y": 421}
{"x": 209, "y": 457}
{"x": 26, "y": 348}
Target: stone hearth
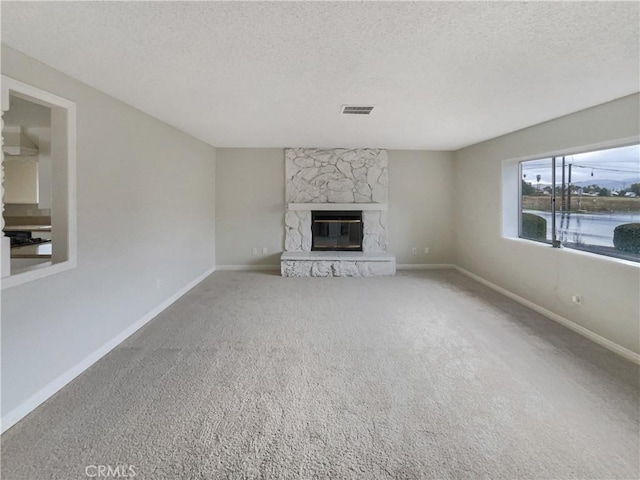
{"x": 337, "y": 264}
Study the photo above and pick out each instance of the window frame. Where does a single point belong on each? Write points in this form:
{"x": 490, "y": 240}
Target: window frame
{"x": 553, "y": 156}
{"x": 11, "y": 86}
{"x": 546, "y": 242}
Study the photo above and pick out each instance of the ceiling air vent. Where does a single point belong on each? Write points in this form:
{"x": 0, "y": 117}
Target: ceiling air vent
{"x": 356, "y": 109}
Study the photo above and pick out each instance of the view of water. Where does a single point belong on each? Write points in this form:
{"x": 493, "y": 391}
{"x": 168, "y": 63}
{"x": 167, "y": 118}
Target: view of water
{"x": 587, "y": 228}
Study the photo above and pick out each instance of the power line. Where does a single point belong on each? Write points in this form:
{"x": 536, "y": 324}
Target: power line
{"x": 603, "y": 168}
{"x": 537, "y": 167}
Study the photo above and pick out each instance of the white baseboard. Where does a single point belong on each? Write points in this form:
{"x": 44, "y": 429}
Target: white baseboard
{"x": 424, "y": 266}
{"x": 246, "y": 268}
{"x": 405, "y": 266}
{"x": 26, "y": 407}
{"x": 585, "y": 332}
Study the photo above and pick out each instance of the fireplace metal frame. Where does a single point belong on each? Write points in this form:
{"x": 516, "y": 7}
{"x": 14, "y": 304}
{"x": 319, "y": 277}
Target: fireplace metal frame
{"x": 350, "y": 217}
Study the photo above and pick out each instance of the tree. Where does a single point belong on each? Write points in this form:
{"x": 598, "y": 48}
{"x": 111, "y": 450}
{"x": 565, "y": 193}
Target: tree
{"x": 604, "y": 192}
{"x": 538, "y": 178}
{"x": 635, "y": 188}
{"x": 527, "y": 188}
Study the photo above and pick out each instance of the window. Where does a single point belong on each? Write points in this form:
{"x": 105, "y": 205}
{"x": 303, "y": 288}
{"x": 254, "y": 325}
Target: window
{"x": 588, "y": 201}
{"x": 38, "y": 161}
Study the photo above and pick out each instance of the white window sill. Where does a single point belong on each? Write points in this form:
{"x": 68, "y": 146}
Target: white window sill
{"x": 573, "y": 251}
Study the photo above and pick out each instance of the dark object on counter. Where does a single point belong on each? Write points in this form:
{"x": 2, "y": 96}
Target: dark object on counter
{"x": 20, "y": 239}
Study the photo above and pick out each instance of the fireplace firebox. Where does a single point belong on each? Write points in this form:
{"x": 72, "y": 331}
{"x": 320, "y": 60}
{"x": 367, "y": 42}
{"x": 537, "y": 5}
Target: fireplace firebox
{"x": 336, "y": 231}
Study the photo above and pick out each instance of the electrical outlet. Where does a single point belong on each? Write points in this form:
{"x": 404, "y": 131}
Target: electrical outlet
{"x": 576, "y": 298}
{"x": 414, "y": 250}
{"x": 426, "y": 249}
{"x": 254, "y": 251}
{"x": 265, "y": 250}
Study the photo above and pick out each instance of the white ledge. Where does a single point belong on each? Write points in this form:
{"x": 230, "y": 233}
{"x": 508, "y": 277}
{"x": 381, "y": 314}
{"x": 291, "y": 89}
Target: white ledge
{"x": 343, "y": 256}
{"x": 337, "y": 206}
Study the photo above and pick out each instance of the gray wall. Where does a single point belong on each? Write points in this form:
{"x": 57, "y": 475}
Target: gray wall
{"x": 537, "y": 272}
{"x": 250, "y": 206}
{"x": 421, "y": 194}
{"x": 145, "y": 194}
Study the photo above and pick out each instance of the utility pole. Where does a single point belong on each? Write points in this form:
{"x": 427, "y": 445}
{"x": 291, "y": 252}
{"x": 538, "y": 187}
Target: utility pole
{"x": 563, "y": 205}
{"x": 554, "y": 239}
{"x": 569, "y": 191}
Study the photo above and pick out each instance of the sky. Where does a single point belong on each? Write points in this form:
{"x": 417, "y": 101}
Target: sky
{"x": 621, "y": 164}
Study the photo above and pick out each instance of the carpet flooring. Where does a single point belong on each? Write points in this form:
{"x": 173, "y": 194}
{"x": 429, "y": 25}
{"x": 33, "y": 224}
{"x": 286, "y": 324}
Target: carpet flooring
{"x": 424, "y": 375}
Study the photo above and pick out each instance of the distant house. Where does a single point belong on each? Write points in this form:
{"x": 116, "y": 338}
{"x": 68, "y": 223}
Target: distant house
{"x": 630, "y": 194}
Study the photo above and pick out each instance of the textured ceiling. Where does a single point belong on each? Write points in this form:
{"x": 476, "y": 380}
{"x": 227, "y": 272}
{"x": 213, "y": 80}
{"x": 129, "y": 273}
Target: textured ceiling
{"x": 257, "y": 74}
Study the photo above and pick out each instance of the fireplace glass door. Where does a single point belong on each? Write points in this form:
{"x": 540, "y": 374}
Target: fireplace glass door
{"x": 336, "y": 230}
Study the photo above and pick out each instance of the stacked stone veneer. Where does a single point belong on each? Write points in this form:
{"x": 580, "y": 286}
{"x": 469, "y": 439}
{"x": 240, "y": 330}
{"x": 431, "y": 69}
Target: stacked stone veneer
{"x": 336, "y": 176}
{"x": 337, "y": 268}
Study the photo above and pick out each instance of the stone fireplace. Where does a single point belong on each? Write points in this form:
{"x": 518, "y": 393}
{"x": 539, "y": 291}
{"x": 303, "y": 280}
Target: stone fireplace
{"x": 345, "y": 191}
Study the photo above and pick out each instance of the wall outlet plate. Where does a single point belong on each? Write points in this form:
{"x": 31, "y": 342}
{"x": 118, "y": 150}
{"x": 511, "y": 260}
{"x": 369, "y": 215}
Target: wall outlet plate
{"x": 576, "y": 298}
{"x": 254, "y": 251}
{"x": 426, "y": 249}
{"x": 265, "y": 250}
{"x": 414, "y": 250}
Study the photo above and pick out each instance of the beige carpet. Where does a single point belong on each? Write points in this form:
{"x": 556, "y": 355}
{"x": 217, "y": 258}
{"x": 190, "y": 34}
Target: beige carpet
{"x": 425, "y": 375}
